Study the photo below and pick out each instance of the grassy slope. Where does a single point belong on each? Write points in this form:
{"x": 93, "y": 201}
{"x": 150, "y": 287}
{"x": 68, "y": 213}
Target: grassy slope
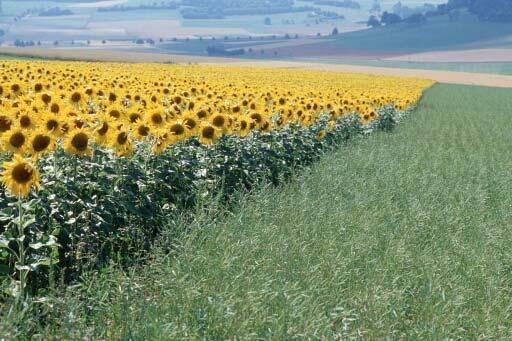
{"x": 401, "y": 234}
{"x": 439, "y": 33}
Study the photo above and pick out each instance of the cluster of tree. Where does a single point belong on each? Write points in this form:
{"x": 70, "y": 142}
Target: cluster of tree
{"x": 220, "y": 51}
{"x": 489, "y": 10}
{"x": 495, "y": 10}
{"x": 153, "y": 6}
{"x": 55, "y": 12}
{"x": 146, "y": 41}
{"x": 388, "y": 18}
{"x": 24, "y": 43}
{"x": 339, "y": 3}
{"x": 406, "y": 11}
{"x": 402, "y": 14}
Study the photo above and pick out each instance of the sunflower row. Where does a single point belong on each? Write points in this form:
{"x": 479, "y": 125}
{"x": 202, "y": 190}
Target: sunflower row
{"x": 82, "y": 106}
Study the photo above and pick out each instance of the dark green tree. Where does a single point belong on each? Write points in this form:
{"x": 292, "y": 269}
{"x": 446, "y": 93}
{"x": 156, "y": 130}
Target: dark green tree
{"x": 390, "y": 18}
{"x": 373, "y": 22}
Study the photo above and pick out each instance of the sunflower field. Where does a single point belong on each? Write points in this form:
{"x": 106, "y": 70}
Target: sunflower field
{"x": 97, "y": 157}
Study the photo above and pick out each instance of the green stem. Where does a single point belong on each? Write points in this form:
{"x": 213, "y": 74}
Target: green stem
{"x": 21, "y": 249}
{"x": 75, "y": 158}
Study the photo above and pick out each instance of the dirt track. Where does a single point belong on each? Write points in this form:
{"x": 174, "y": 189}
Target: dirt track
{"x": 118, "y": 56}
{"x": 464, "y": 56}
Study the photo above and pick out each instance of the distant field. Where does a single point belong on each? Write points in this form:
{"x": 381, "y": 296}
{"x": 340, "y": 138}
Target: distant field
{"x": 437, "y": 40}
{"x": 492, "y": 68}
{"x": 438, "y": 34}
{"x": 140, "y": 23}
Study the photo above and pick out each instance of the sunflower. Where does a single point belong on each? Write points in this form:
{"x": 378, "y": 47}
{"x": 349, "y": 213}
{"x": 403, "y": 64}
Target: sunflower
{"x": 115, "y": 112}
{"x": 141, "y": 131}
{"x": 220, "y": 122}
{"x": 265, "y": 126}
{"x": 101, "y": 132}
{"x": 51, "y": 123}
{"x": 15, "y": 89}
{"x": 134, "y": 117}
{"x": 26, "y": 121}
{"x": 15, "y": 140}
{"x": 190, "y": 122}
{"x": 178, "y": 131}
{"x": 208, "y": 134}
{"x": 257, "y": 117}
{"x": 365, "y": 118}
{"x": 38, "y": 87}
{"x": 244, "y": 127}
{"x": 5, "y": 123}
{"x": 120, "y": 141}
{"x": 41, "y": 142}
{"x": 78, "y": 142}
{"x": 156, "y": 119}
{"x": 77, "y": 99}
{"x": 45, "y": 98}
{"x": 320, "y": 136}
{"x": 19, "y": 176}
{"x": 202, "y": 114}
{"x": 56, "y": 107}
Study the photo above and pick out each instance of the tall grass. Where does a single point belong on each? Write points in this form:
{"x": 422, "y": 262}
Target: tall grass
{"x": 402, "y": 235}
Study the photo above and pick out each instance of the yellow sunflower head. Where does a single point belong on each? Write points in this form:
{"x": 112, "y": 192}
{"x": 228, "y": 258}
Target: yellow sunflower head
{"x": 156, "y": 119}
{"x": 101, "y": 132}
{"x": 5, "y": 123}
{"x": 141, "y": 131}
{"x": 76, "y": 98}
{"x": 120, "y": 141}
{"x": 40, "y": 142}
{"x": 78, "y": 142}
{"x": 208, "y": 134}
{"x": 244, "y": 127}
{"x": 26, "y": 120}
{"x": 15, "y": 140}
{"x": 51, "y": 123}
{"x": 178, "y": 131}
{"x": 19, "y": 176}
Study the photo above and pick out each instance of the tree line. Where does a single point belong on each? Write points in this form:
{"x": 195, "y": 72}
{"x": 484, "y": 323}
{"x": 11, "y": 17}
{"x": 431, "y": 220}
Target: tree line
{"x": 488, "y": 10}
{"x": 485, "y": 10}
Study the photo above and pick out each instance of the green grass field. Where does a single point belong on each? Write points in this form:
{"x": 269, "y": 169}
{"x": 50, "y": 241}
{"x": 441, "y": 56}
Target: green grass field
{"x": 491, "y": 67}
{"x": 439, "y": 33}
{"x": 401, "y": 235}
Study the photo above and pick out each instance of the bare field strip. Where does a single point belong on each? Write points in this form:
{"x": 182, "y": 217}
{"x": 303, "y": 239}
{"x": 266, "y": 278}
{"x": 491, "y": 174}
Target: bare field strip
{"x": 449, "y": 77}
{"x": 465, "y": 56}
